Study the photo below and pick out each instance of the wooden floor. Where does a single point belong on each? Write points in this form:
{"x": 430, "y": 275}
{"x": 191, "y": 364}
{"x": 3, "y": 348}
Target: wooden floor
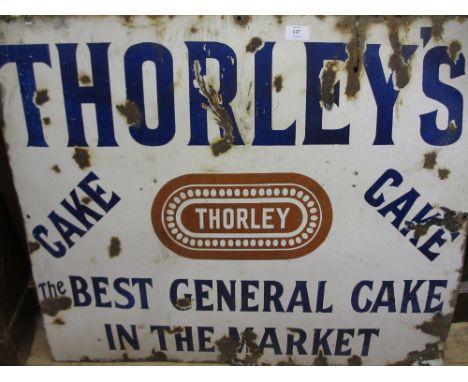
{"x": 456, "y": 352}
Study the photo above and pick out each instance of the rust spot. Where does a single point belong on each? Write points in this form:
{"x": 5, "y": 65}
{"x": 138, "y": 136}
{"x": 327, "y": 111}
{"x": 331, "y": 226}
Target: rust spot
{"x": 255, "y": 352}
{"x": 357, "y": 27}
{"x": 452, "y": 221}
{"x": 279, "y": 19}
{"x": 51, "y": 306}
{"x": 242, "y": 20}
{"x": 184, "y": 303}
{"x": 114, "y": 247}
{"x": 355, "y": 360}
{"x": 158, "y": 356}
{"x": 215, "y": 104}
{"x": 320, "y": 360}
{"x": 8, "y": 19}
{"x": 396, "y": 62}
{"x": 430, "y": 352}
{"x": 438, "y": 326}
{"x": 193, "y": 29}
{"x": 175, "y": 329}
{"x": 46, "y": 120}
{"x": 58, "y": 321}
{"x": 228, "y": 348}
{"x": 249, "y": 105}
{"x": 253, "y": 45}
{"x": 42, "y": 96}
{"x": 328, "y": 82}
{"x": 430, "y": 160}
{"x": 85, "y": 359}
{"x": 56, "y": 168}
{"x": 126, "y": 20}
{"x": 453, "y": 50}
{"x": 86, "y": 200}
{"x": 443, "y": 173}
{"x": 33, "y": 246}
{"x": 452, "y": 126}
{"x": 278, "y": 83}
{"x": 287, "y": 362}
{"x": 81, "y": 157}
{"x": 437, "y": 26}
{"x": 355, "y": 47}
{"x": 131, "y": 112}
{"x": 85, "y": 80}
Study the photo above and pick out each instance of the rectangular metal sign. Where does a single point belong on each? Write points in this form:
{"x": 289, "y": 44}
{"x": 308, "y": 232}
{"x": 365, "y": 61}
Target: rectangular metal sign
{"x": 241, "y": 189}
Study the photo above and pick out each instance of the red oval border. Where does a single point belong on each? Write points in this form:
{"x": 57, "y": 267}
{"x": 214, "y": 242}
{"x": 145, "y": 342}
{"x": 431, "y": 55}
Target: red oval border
{"x": 254, "y": 179}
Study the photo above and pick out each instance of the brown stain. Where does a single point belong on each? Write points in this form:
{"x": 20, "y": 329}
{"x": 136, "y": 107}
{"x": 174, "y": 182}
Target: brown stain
{"x": 175, "y": 329}
{"x": 453, "y": 50}
{"x": 33, "y": 246}
{"x": 56, "y": 169}
{"x": 215, "y": 105}
{"x": 287, "y": 362}
{"x": 253, "y": 45}
{"x": 355, "y": 360}
{"x": 46, "y": 121}
{"x": 249, "y": 105}
{"x": 193, "y": 29}
{"x": 242, "y": 20}
{"x": 131, "y": 112}
{"x": 430, "y": 160}
{"x": 126, "y": 20}
{"x": 85, "y": 79}
{"x": 278, "y": 83}
{"x": 320, "y": 360}
{"x": 279, "y": 19}
{"x": 396, "y": 62}
{"x": 51, "y": 306}
{"x": 228, "y": 348}
{"x": 157, "y": 356}
{"x": 8, "y": 19}
{"x": 86, "y": 200}
{"x": 452, "y": 221}
{"x": 443, "y": 173}
{"x": 42, "y": 96}
{"x": 328, "y": 83}
{"x": 452, "y": 126}
{"x": 438, "y": 24}
{"x": 431, "y": 351}
{"x": 114, "y": 247}
{"x": 81, "y": 157}
{"x": 357, "y": 26}
{"x": 255, "y": 352}
{"x": 437, "y": 326}
{"x": 184, "y": 303}
{"x": 58, "y": 321}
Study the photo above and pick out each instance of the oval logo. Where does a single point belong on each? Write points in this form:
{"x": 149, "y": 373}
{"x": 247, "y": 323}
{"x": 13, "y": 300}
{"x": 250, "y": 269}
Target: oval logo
{"x": 242, "y": 216}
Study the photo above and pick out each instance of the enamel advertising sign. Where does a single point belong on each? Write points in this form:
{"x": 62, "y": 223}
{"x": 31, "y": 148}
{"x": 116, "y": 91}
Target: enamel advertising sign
{"x": 255, "y": 190}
